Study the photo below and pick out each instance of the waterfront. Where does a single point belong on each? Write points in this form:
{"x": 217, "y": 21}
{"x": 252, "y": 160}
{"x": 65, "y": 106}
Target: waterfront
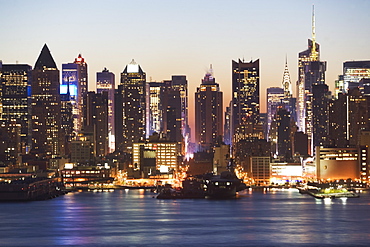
{"x": 135, "y": 218}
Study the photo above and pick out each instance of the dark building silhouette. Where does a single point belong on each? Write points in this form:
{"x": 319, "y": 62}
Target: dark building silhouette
{"x": 105, "y": 81}
{"x": 349, "y": 114}
{"x": 284, "y": 133}
{"x": 338, "y": 121}
{"x": 180, "y": 84}
{"x": 15, "y": 100}
{"x": 171, "y": 113}
{"x": 46, "y": 106}
{"x": 320, "y": 118}
{"x": 208, "y": 113}
{"x": 66, "y": 115}
{"x": 131, "y": 105}
{"x": 301, "y": 144}
{"x": 97, "y": 121}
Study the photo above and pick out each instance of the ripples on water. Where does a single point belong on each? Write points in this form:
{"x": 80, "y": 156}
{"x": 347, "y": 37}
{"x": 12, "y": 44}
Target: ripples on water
{"x": 135, "y": 218}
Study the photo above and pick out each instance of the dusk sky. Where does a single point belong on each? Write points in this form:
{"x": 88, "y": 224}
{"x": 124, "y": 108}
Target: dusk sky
{"x": 184, "y": 37}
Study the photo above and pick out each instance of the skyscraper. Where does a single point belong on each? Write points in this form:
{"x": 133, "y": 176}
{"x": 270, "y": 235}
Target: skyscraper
{"x": 245, "y": 98}
{"x": 320, "y": 103}
{"x": 287, "y": 84}
{"x": 310, "y": 71}
{"x": 275, "y": 96}
{"x": 132, "y": 90}
{"x": 155, "y": 111}
{"x": 83, "y": 82}
{"x": 46, "y": 135}
{"x": 15, "y": 85}
{"x": 180, "y": 84}
{"x": 208, "y": 113}
{"x": 105, "y": 81}
{"x": 71, "y": 84}
{"x": 227, "y": 125}
{"x": 353, "y": 72}
{"x": 97, "y": 121}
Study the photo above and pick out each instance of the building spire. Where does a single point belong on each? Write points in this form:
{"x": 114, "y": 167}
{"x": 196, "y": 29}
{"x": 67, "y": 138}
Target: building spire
{"x": 314, "y": 53}
{"x": 287, "y": 85}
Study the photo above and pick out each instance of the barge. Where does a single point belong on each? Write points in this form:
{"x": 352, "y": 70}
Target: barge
{"x": 31, "y": 189}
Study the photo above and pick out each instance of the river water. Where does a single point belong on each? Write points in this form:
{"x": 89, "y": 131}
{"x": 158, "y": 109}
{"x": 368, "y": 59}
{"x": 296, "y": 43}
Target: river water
{"x": 136, "y": 218}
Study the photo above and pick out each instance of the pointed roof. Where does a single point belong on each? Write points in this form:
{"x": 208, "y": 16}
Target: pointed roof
{"x": 287, "y": 84}
{"x": 133, "y": 67}
{"x": 45, "y": 59}
{"x": 79, "y": 59}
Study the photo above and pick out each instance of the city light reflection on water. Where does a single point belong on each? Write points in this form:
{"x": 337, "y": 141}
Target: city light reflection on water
{"x": 135, "y": 218}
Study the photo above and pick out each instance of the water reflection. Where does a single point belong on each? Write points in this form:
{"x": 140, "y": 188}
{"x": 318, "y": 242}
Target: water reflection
{"x": 134, "y": 217}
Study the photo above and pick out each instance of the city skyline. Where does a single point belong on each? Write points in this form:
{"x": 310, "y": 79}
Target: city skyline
{"x": 168, "y": 38}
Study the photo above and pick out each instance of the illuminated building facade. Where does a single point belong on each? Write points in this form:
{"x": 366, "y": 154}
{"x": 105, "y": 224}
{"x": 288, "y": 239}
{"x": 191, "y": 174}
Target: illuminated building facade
{"x": 245, "y": 98}
{"x": 260, "y": 170}
{"x": 71, "y": 86}
{"x": 155, "y": 112}
{"x": 275, "y": 96}
{"x": 66, "y": 115}
{"x": 227, "y": 125}
{"x": 105, "y": 81}
{"x": 286, "y": 83}
{"x": 46, "y": 121}
{"x": 337, "y": 163}
{"x": 208, "y": 114}
{"x": 82, "y": 83}
{"x": 132, "y": 90}
{"x": 10, "y": 145}
{"x": 310, "y": 71}
{"x": 364, "y": 146}
{"x": 165, "y": 155}
{"x": 283, "y": 172}
{"x": 353, "y": 72}
{"x": 15, "y": 100}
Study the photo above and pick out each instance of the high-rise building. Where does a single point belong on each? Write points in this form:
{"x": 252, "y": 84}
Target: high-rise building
{"x": 71, "y": 85}
{"x": 172, "y": 111}
{"x": 97, "y": 121}
{"x": 348, "y": 116}
{"x": 15, "y": 100}
{"x": 275, "y": 96}
{"x": 320, "y": 103}
{"x": 227, "y": 125}
{"x": 155, "y": 111}
{"x": 46, "y": 134}
{"x": 353, "y": 72}
{"x": 132, "y": 90}
{"x": 105, "y": 81}
{"x": 310, "y": 71}
{"x": 83, "y": 82}
{"x": 66, "y": 116}
{"x": 289, "y": 102}
{"x": 245, "y": 98}
{"x": 180, "y": 84}
{"x": 284, "y": 134}
{"x": 208, "y": 113}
